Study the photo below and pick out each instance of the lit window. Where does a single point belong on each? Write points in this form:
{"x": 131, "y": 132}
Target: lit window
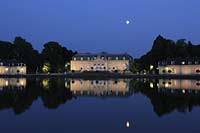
{"x": 74, "y": 58}
{"x": 81, "y": 58}
{"x": 88, "y": 58}
{"x": 102, "y": 58}
{"x": 95, "y": 58}
{"x": 183, "y": 63}
{"x": 117, "y": 58}
{"x": 124, "y": 58}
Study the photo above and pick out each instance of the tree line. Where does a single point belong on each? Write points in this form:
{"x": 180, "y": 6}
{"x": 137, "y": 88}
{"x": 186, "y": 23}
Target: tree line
{"x": 53, "y": 57}
{"x": 163, "y": 49}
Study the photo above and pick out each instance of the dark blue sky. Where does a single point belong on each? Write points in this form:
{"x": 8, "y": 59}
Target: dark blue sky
{"x": 99, "y": 25}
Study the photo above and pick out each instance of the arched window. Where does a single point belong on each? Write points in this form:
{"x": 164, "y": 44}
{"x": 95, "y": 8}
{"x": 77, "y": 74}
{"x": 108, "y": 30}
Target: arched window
{"x": 169, "y": 71}
{"x": 197, "y": 71}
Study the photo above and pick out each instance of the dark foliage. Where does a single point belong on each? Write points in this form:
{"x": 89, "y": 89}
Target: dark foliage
{"x": 164, "y": 48}
{"x": 22, "y": 51}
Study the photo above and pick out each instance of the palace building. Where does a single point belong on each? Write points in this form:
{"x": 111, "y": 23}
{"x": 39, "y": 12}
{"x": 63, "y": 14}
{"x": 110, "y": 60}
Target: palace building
{"x": 12, "y": 67}
{"x": 180, "y": 66}
{"x": 101, "y": 62}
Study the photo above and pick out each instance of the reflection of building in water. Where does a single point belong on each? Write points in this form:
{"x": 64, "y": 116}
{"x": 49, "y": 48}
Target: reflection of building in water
{"x": 180, "y": 66}
{"x": 12, "y": 83}
{"x": 100, "y": 87}
{"x": 182, "y": 85}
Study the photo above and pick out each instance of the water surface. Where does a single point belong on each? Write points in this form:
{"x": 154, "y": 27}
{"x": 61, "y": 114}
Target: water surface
{"x": 114, "y": 105}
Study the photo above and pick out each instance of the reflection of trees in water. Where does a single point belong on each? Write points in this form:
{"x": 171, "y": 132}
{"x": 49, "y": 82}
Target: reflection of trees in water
{"x": 56, "y": 94}
{"x": 164, "y": 103}
{"x": 21, "y": 99}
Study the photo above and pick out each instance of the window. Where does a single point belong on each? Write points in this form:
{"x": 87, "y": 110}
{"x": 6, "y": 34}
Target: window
{"x": 196, "y": 62}
{"x": 189, "y": 62}
{"x": 81, "y": 58}
{"x": 172, "y": 62}
{"x": 102, "y": 58}
{"x": 88, "y": 58}
{"x": 124, "y": 58}
{"x": 197, "y": 71}
{"x": 183, "y": 63}
{"x": 74, "y": 58}
{"x": 169, "y": 71}
{"x": 117, "y": 58}
{"x": 95, "y": 58}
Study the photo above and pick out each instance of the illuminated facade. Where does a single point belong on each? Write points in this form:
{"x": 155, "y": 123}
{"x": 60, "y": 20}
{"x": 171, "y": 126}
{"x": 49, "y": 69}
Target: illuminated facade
{"x": 101, "y": 62}
{"x": 12, "y": 68}
{"x": 179, "y": 66}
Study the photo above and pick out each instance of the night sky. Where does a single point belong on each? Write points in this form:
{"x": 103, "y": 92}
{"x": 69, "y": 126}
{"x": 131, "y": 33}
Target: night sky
{"x": 100, "y": 25}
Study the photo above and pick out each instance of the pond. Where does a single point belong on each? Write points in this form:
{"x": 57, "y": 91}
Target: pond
{"x": 113, "y": 105}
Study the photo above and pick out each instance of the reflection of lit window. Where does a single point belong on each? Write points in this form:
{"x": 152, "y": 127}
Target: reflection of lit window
{"x": 151, "y": 85}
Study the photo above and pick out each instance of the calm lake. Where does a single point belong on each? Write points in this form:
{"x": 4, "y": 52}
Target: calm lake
{"x": 58, "y": 105}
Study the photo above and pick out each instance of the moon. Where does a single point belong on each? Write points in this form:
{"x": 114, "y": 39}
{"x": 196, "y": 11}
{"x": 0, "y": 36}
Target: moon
{"x": 127, "y": 22}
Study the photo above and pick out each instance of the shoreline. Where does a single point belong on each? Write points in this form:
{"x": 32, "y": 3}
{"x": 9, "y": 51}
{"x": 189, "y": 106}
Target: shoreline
{"x": 102, "y": 76}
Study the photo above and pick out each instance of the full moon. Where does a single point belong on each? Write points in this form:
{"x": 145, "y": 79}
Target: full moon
{"x": 127, "y": 22}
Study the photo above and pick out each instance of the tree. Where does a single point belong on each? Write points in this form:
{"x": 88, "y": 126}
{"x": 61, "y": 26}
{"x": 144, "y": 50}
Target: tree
{"x": 23, "y": 51}
{"x": 56, "y": 55}
{"x": 162, "y": 49}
